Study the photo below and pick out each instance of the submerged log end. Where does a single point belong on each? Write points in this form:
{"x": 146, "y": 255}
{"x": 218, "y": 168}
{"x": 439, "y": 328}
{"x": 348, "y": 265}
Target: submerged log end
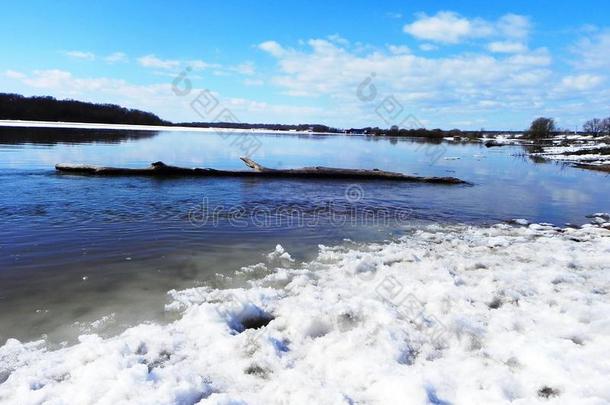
{"x": 252, "y": 164}
{"x": 449, "y": 180}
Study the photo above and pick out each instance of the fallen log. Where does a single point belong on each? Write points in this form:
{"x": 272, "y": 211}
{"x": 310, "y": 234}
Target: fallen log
{"x": 160, "y": 169}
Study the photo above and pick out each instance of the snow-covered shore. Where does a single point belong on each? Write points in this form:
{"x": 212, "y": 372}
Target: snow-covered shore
{"x": 577, "y": 149}
{"x": 87, "y": 125}
{"x": 447, "y": 314}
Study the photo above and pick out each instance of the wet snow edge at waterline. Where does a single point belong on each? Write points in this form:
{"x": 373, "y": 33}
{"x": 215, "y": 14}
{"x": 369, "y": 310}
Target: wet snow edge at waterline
{"x": 446, "y": 314}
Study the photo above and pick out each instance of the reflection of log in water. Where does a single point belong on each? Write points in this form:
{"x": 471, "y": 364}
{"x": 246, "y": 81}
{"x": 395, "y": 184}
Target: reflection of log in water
{"x": 160, "y": 169}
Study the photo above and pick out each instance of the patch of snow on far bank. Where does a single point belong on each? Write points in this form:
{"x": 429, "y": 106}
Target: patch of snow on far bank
{"x": 577, "y": 152}
{"x": 447, "y": 314}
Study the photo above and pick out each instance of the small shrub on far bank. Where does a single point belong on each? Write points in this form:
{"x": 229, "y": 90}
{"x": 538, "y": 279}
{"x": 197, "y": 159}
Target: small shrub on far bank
{"x": 541, "y": 128}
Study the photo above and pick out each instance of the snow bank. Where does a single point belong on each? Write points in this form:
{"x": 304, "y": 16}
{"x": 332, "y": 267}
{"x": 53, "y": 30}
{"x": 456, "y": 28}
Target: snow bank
{"x": 87, "y": 125}
{"x": 446, "y": 314}
{"x": 566, "y": 153}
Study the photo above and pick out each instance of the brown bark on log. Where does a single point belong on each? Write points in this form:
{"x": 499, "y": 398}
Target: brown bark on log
{"x": 160, "y": 169}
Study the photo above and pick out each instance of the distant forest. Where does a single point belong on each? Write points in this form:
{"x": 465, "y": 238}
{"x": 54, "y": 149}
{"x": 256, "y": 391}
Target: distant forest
{"x": 17, "y": 107}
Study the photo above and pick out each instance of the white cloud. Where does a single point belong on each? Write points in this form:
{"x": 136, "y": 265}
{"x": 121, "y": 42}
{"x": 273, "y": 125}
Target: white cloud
{"x": 246, "y": 68}
{"x": 272, "y": 47}
{"x": 593, "y": 52}
{"x": 151, "y": 61}
{"x": 399, "y": 49}
{"x": 581, "y": 82}
{"x": 326, "y": 69}
{"x": 338, "y": 39}
{"x": 514, "y": 26}
{"x": 241, "y": 106}
{"x": 47, "y": 79}
{"x": 13, "y": 74}
{"x": 64, "y": 83}
{"x": 506, "y": 47}
{"x": 172, "y": 65}
{"x": 448, "y": 27}
{"x": 531, "y": 78}
{"x": 253, "y": 82}
{"x": 116, "y": 57}
{"x": 81, "y": 55}
{"x": 428, "y": 47}
{"x": 538, "y": 57}
{"x": 198, "y": 64}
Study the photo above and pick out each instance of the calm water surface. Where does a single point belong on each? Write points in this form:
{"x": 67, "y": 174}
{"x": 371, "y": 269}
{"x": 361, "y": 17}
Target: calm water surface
{"x": 75, "y": 249}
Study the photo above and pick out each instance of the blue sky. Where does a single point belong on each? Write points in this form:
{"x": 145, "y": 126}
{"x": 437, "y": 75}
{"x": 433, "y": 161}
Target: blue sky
{"x": 468, "y": 64}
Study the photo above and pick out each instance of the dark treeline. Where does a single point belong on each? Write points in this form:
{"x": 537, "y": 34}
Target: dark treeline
{"x": 423, "y": 132}
{"x": 17, "y": 107}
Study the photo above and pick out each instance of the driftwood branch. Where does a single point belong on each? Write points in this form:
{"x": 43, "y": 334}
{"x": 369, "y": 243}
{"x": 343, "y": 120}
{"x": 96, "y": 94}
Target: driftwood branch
{"x": 253, "y": 165}
{"x": 160, "y": 169}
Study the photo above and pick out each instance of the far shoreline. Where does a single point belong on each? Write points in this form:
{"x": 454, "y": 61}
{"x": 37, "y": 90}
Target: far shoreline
{"x": 132, "y": 127}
